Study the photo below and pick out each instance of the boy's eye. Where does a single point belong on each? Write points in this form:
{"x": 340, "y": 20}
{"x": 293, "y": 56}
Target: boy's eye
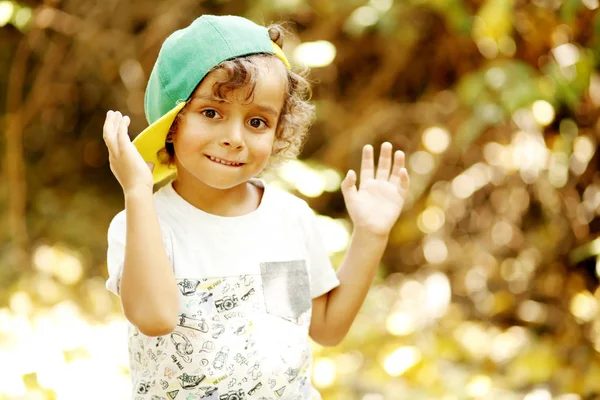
{"x": 210, "y": 113}
{"x": 258, "y": 123}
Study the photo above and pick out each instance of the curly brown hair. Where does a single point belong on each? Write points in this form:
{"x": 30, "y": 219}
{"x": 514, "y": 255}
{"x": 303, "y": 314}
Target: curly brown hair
{"x": 296, "y": 115}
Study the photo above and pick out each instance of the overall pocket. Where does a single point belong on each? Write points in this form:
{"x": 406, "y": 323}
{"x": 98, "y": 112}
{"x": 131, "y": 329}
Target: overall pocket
{"x": 286, "y": 288}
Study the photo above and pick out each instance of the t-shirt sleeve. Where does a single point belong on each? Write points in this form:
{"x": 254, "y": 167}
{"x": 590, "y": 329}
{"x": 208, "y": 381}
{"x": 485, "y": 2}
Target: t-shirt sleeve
{"x": 322, "y": 275}
{"x": 115, "y": 254}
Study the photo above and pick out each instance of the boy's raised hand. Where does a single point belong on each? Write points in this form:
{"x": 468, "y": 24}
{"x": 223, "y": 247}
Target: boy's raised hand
{"x": 126, "y": 163}
{"x": 376, "y": 204}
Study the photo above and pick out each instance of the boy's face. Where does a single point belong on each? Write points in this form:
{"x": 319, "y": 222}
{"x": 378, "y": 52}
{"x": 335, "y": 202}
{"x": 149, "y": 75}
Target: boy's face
{"x": 224, "y": 144}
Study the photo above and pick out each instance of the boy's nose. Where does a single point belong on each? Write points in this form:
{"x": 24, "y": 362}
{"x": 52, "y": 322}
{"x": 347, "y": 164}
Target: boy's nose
{"x": 234, "y": 137}
{"x": 232, "y": 144}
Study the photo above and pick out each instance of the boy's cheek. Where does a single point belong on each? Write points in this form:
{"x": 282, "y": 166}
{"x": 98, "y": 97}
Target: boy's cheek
{"x": 261, "y": 144}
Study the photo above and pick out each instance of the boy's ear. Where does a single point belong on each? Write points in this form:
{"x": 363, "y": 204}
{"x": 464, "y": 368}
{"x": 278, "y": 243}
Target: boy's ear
{"x": 276, "y": 147}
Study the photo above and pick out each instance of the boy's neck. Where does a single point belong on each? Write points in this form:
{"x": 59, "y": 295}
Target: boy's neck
{"x": 236, "y": 201}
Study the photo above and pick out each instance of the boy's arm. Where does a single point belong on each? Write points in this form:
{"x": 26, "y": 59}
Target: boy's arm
{"x": 148, "y": 290}
{"x": 334, "y": 312}
{"x": 374, "y": 209}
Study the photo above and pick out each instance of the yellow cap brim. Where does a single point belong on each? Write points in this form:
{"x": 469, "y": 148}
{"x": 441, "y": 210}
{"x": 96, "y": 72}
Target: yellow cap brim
{"x": 280, "y": 54}
{"x": 152, "y": 140}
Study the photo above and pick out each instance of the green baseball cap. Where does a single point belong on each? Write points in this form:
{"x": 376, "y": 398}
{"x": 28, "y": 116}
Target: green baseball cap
{"x": 185, "y": 58}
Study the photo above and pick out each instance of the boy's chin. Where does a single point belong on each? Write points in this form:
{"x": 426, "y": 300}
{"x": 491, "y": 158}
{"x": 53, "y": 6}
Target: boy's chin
{"x": 223, "y": 183}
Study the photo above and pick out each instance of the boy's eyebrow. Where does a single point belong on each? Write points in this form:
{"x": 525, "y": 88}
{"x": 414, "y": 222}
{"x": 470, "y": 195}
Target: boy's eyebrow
{"x": 268, "y": 110}
{"x": 207, "y": 97}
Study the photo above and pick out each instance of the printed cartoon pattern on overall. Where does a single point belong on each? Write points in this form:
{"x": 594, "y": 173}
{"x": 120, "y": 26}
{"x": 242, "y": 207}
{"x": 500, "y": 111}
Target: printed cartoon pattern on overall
{"x": 239, "y": 337}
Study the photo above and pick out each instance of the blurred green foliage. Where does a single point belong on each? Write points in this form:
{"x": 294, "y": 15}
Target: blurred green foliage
{"x": 496, "y": 104}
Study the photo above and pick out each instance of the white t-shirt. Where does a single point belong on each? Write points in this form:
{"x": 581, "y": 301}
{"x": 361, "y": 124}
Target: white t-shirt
{"x": 245, "y": 289}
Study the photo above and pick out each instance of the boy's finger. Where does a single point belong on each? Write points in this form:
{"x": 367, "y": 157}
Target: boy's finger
{"x": 109, "y": 134}
{"x": 385, "y": 162}
{"x": 367, "y": 167}
{"x": 404, "y": 179}
{"x": 398, "y": 165}
{"x": 117, "y": 120}
{"x": 348, "y": 186}
{"x": 122, "y": 136}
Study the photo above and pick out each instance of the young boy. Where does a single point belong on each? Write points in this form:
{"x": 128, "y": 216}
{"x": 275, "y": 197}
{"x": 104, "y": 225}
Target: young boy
{"x": 222, "y": 277}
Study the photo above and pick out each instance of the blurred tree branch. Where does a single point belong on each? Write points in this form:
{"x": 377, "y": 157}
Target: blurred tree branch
{"x": 14, "y": 160}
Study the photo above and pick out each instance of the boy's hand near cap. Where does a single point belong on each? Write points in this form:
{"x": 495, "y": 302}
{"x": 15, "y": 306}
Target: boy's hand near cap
{"x": 126, "y": 163}
{"x": 147, "y": 289}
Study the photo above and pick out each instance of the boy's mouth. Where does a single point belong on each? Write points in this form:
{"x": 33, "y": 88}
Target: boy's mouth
{"x": 224, "y": 162}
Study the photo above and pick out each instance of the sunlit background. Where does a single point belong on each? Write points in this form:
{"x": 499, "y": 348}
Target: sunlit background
{"x": 489, "y": 286}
